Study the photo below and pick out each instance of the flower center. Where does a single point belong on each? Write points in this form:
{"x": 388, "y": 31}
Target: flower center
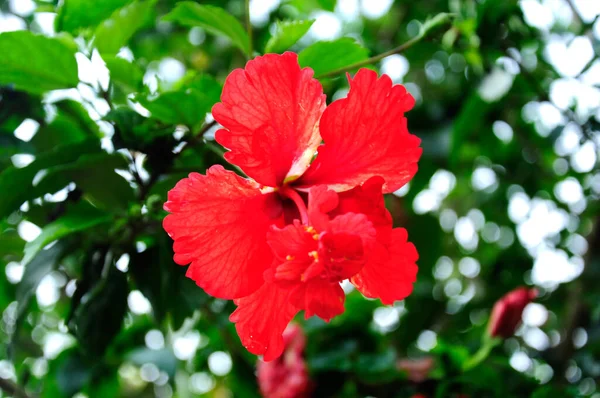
{"x": 295, "y": 197}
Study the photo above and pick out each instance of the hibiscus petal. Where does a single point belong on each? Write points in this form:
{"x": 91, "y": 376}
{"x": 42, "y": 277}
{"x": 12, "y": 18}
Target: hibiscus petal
{"x": 355, "y": 224}
{"x": 368, "y": 199}
{"x": 365, "y": 135}
{"x": 261, "y": 319}
{"x": 270, "y": 112}
{"x": 390, "y": 273}
{"x": 319, "y": 297}
{"x": 219, "y": 224}
{"x": 320, "y": 202}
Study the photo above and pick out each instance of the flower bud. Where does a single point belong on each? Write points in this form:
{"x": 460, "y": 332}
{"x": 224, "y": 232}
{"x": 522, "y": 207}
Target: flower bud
{"x": 286, "y": 376}
{"x": 507, "y": 312}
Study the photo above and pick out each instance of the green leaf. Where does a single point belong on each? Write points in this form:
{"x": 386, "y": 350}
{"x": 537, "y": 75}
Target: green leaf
{"x": 287, "y": 33}
{"x": 100, "y": 317}
{"x": 35, "y": 63}
{"x": 214, "y": 19}
{"x": 79, "y": 217}
{"x": 187, "y": 106}
{"x": 74, "y": 15}
{"x": 327, "y": 56}
{"x": 71, "y": 124}
{"x": 127, "y": 75}
{"x": 18, "y": 183}
{"x": 67, "y": 375}
{"x": 36, "y": 268}
{"x": 327, "y": 5}
{"x": 115, "y": 32}
{"x": 92, "y": 174}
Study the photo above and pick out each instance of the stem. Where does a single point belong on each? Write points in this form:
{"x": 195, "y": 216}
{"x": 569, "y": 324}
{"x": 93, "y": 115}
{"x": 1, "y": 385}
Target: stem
{"x": 481, "y": 355}
{"x": 290, "y": 193}
{"x": 428, "y": 27}
{"x": 249, "y": 29}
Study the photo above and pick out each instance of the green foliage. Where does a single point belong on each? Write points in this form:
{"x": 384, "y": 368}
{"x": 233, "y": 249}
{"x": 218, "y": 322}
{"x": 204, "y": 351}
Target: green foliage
{"x": 188, "y": 105}
{"x": 74, "y": 15}
{"x": 213, "y": 19}
{"x": 125, "y": 74}
{"x": 287, "y": 33}
{"x": 324, "y": 57}
{"x": 75, "y": 219}
{"x": 35, "y": 63}
{"x": 92, "y": 301}
{"x": 114, "y": 32}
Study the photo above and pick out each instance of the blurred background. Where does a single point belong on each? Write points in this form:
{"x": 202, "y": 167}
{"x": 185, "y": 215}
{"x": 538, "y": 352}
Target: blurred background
{"x": 104, "y": 106}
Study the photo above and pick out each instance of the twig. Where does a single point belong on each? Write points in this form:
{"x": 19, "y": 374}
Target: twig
{"x": 429, "y": 26}
{"x": 249, "y": 29}
{"x": 13, "y": 389}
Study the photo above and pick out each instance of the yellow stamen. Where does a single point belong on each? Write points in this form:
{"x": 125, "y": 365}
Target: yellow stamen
{"x": 310, "y": 230}
{"x": 289, "y": 258}
{"x": 314, "y": 255}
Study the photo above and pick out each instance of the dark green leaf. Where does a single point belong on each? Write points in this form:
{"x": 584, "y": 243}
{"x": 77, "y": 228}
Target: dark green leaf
{"x": 325, "y": 56}
{"x": 100, "y": 317}
{"x": 72, "y": 123}
{"x": 76, "y": 14}
{"x": 39, "y": 266}
{"x": 35, "y": 63}
{"x": 18, "y": 183}
{"x": 213, "y": 19}
{"x": 187, "y": 106}
{"x": 78, "y": 218}
{"x": 92, "y": 174}
{"x": 287, "y": 33}
{"x": 67, "y": 375}
{"x": 115, "y": 32}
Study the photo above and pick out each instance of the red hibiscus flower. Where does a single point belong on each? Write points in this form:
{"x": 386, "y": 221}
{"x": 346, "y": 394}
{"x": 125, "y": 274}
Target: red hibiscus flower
{"x": 508, "y": 311}
{"x": 283, "y": 239}
{"x": 286, "y": 377}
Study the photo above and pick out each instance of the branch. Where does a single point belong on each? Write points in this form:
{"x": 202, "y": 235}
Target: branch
{"x": 12, "y": 389}
{"x": 428, "y": 27}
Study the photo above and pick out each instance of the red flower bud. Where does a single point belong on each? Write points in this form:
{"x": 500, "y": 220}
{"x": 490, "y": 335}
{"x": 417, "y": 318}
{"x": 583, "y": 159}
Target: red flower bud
{"x": 416, "y": 370}
{"x": 286, "y": 376}
{"x": 507, "y": 312}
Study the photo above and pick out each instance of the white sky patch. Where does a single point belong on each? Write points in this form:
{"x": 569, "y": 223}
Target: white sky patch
{"x": 138, "y": 304}
{"x": 496, "y": 84}
{"x": 568, "y": 191}
{"x": 569, "y": 57}
{"x": 349, "y": 10}
{"x": 28, "y": 231}
{"x": 395, "y": 66}
{"x": 185, "y": 346}
{"x": 220, "y": 363}
{"x": 22, "y": 8}
{"x": 26, "y": 130}
{"x": 327, "y": 26}
{"x": 553, "y": 267}
{"x": 535, "y": 315}
{"x": 375, "y": 9}
{"x": 21, "y": 160}
{"x": 11, "y": 23}
{"x": 45, "y": 20}
{"x": 536, "y": 15}
{"x": 502, "y": 131}
{"x": 260, "y": 10}
{"x": 483, "y": 178}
